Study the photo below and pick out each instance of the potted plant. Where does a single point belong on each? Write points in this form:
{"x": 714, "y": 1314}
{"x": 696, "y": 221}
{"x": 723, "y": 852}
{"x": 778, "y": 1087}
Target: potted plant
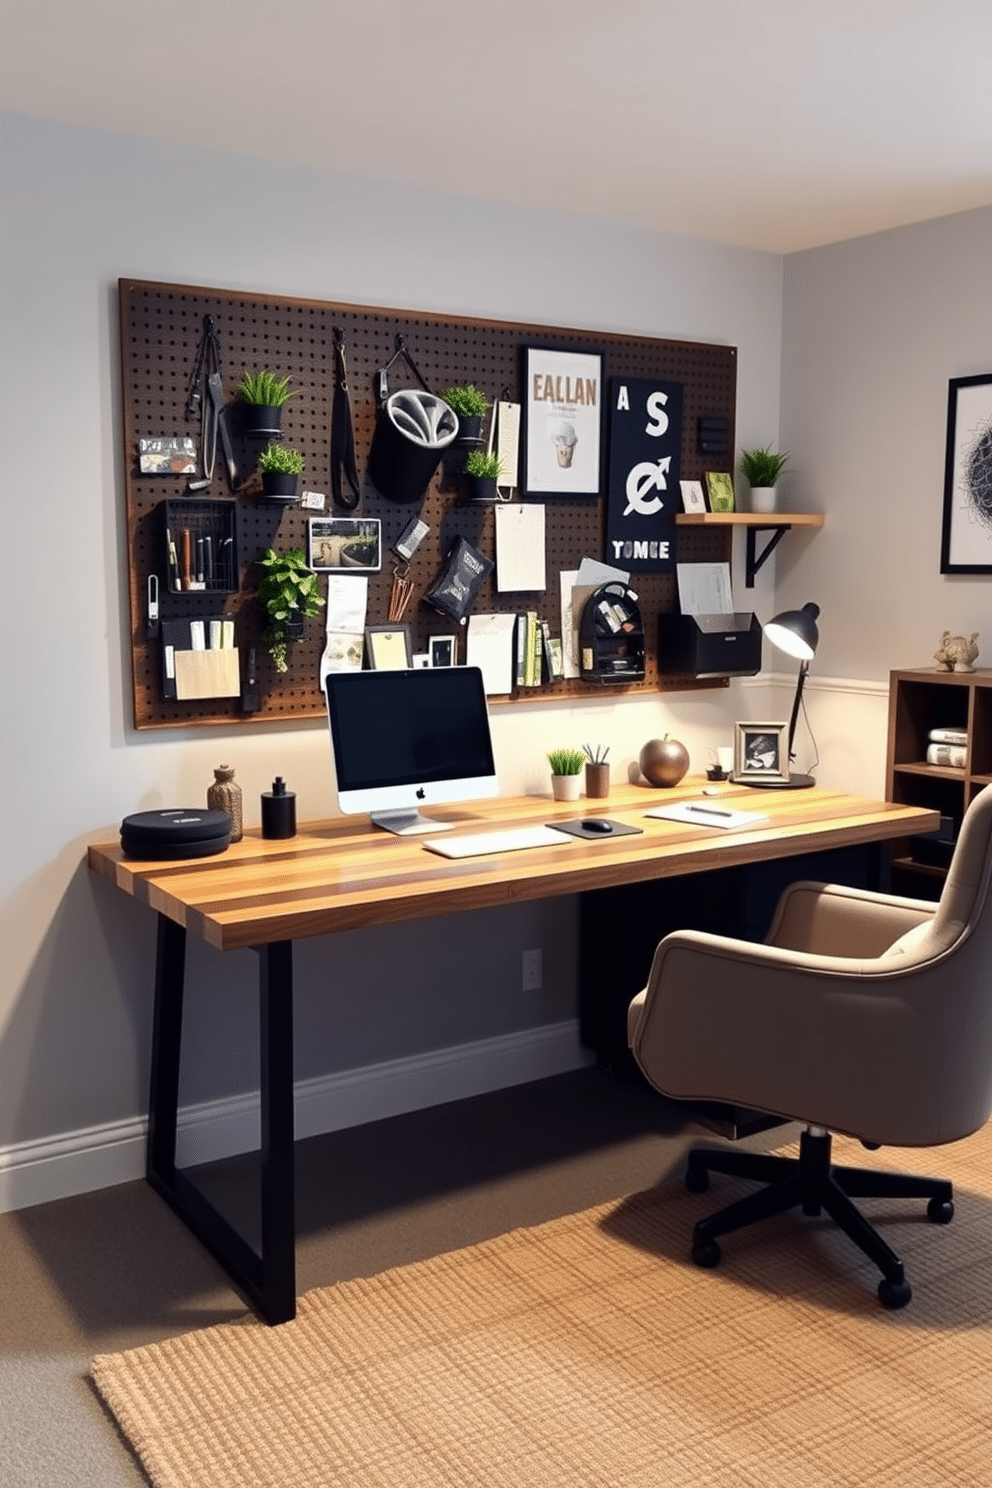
{"x": 761, "y": 469}
{"x": 263, "y": 394}
{"x": 566, "y": 773}
{"x": 280, "y": 469}
{"x": 482, "y": 471}
{"x": 288, "y": 593}
{"x": 471, "y": 406}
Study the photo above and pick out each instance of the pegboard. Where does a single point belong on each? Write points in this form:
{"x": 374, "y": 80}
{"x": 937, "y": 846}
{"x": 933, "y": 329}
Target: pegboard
{"x": 161, "y": 326}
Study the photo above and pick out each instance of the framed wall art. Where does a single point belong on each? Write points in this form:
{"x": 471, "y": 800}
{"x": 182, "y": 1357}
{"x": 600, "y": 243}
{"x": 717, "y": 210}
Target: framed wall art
{"x": 563, "y": 406}
{"x": 761, "y": 751}
{"x": 389, "y": 647}
{"x": 966, "y": 538}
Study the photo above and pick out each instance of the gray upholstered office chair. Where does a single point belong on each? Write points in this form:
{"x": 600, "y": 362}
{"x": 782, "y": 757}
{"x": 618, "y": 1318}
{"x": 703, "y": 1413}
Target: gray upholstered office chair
{"x": 862, "y": 1013}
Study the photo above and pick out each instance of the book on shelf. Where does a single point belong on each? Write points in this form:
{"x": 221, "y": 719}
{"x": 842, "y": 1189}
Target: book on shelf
{"x": 950, "y": 755}
{"x": 949, "y": 736}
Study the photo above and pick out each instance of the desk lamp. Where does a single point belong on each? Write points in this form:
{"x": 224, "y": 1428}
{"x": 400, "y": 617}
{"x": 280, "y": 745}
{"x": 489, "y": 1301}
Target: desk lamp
{"x": 795, "y": 633}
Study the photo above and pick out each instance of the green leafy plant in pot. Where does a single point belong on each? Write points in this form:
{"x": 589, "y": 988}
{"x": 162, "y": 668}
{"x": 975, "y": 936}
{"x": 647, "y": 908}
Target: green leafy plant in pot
{"x": 288, "y": 592}
{"x": 470, "y": 406}
{"x": 566, "y": 773}
{"x": 280, "y": 469}
{"x": 264, "y": 395}
{"x": 482, "y": 471}
{"x": 761, "y": 469}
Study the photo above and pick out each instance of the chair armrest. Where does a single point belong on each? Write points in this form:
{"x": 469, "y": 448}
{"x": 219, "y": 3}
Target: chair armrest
{"x": 798, "y": 1035}
{"x": 833, "y": 920}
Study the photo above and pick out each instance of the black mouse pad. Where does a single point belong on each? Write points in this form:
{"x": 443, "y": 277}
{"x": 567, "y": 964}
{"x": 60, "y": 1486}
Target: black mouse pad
{"x": 578, "y": 829}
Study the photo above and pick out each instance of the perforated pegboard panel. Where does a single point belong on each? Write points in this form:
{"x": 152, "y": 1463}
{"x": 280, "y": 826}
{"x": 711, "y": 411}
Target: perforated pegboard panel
{"x": 161, "y": 325}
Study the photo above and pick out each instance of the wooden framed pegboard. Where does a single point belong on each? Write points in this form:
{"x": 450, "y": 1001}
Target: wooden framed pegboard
{"x": 161, "y": 326}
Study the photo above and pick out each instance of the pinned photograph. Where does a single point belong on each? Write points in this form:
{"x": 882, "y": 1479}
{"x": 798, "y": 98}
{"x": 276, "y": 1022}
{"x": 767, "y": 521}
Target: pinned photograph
{"x": 342, "y": 543}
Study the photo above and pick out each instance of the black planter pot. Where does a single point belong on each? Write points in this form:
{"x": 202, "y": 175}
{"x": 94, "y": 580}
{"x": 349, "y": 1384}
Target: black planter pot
{"x": 481, "y": 489}
{"x": 469, "y": 429}
{"x": 262, "y": 418}
{"x": 279, "y": 485}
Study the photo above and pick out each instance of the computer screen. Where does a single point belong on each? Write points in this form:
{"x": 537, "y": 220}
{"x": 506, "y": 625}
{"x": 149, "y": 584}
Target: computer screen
{"x": 406, "y": 739}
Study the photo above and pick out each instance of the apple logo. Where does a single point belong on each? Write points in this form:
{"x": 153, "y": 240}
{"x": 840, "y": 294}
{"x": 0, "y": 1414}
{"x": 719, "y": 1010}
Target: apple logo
{"x": 421, "y": 793}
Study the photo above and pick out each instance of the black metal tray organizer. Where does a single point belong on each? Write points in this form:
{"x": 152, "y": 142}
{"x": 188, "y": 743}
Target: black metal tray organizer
{"x": 611, "y": 636}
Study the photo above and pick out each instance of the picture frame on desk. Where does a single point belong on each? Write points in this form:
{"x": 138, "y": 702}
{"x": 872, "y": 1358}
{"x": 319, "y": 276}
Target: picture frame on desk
{"x": 761, "y": 751}
{"x": 966, "y": 535}
{"x": 389, "y": 647}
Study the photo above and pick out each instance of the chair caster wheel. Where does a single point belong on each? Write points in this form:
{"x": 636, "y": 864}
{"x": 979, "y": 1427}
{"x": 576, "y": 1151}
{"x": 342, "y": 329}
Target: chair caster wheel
{"x": 894, "y": 1294}
{"x": 941, "y": 1211}
{"x": 697, "y": 1180}
{"x": 706, "y": 1253}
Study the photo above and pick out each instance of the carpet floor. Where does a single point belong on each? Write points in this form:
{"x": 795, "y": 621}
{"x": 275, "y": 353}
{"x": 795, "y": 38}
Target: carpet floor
{"x": 588, "y": 1350}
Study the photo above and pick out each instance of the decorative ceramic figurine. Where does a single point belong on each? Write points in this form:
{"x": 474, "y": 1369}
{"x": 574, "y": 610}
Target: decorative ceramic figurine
{"x": 955, "y": 654}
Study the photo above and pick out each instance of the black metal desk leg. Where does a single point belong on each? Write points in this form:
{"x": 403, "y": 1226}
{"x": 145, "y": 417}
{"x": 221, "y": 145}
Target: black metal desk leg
{"x": 167, "y": 1027}
{"x": 278, "y": 1156}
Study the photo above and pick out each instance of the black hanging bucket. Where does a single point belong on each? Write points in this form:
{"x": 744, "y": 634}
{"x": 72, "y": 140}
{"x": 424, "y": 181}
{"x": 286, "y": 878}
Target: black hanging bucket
{"x": 412, "y": 431}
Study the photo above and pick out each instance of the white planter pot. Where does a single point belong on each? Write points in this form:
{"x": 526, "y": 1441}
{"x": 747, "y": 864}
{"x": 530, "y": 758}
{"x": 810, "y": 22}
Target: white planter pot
{"x": 566, "y": 787}
{"x": 763, "y": 498}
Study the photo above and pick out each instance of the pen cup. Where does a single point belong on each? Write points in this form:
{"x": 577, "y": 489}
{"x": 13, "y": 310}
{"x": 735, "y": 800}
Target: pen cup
{"x": 597, "y": 780}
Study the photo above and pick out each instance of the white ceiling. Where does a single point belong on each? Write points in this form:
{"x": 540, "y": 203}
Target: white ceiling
{"x": 774, "y": 124}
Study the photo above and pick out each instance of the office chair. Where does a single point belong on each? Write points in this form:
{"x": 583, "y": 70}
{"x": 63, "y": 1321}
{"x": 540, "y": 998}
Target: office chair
{"x": 862, "y": 1013}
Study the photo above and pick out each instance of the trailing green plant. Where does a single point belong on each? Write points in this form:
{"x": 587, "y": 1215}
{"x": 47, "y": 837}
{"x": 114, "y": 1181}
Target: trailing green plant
{"x": 287, "y": 591}
{"x": 762, "y": 467}
{"x": 467, "y": 400}
{"x": 276, "y": 457}
{"x": 482, "y": 466}
{"x": 566, "y": 761}
{"x": 265, "y": 389}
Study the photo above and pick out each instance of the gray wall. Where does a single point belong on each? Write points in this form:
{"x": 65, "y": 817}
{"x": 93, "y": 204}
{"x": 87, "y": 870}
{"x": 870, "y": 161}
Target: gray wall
{"x": 82, "y": 209}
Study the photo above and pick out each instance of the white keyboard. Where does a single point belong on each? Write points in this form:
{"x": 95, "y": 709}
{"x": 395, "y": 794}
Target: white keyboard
{"x": 504, "y": 839}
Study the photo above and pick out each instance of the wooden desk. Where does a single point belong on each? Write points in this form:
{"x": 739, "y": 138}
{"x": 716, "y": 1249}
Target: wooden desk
{"x": 341, "y": 874}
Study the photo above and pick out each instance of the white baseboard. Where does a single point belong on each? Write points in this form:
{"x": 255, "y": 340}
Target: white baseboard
{"x": 100, "y": 1156}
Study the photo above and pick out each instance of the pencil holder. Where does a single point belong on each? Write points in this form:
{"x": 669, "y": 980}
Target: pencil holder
{"x": 597, "y": 780}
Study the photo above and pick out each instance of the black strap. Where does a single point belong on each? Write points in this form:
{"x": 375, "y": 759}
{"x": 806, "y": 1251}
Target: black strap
{"x": 342, "y": 433}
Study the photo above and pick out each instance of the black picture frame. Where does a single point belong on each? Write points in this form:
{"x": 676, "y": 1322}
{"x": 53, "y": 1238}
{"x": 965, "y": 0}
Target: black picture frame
{"x": 966, "y": 530}
{"x": 389, "y": 647}
{"x": 563, "y": 422}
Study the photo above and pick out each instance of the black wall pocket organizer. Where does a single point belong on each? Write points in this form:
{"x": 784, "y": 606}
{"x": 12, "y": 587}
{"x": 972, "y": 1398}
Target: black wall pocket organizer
{"x": 710, "y": 645}
{"x": 611, "y": 636}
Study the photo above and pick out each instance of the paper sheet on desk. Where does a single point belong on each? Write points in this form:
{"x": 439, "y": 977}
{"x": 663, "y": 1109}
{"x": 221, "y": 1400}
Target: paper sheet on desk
{"x": 699, "y": 815}
{"x": 490, "y": 647}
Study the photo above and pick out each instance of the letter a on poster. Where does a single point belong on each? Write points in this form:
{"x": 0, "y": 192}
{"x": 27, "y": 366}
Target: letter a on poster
{"x": 644, "y": 466}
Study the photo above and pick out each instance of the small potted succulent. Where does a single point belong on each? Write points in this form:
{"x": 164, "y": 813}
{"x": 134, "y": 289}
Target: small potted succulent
{"x": 470, "y": 406}
{"x": 289, "y": 594}
{"x": 566, "y": 773}
{"x": 264, "y": 394}
{"x": 280, "y": 469}
{"x": 761, "y": 469}
{"x": 482, "y": 471}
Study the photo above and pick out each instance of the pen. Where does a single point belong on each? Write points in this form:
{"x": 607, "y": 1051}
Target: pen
{"x": 708, "y": 811}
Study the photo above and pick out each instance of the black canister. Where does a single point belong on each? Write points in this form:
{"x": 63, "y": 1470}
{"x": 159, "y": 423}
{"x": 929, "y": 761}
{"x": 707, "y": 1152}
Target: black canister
{"x": 278, "y": 810}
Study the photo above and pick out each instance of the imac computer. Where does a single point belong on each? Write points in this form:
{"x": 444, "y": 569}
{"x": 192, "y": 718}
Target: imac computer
{"x": 407, "y": 739}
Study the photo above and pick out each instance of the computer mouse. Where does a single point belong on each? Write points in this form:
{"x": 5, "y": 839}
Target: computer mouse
{"x": 596, "y": 824}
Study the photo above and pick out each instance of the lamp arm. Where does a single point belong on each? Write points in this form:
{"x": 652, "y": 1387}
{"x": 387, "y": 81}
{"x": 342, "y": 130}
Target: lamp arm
{"x": 804, "y": 668}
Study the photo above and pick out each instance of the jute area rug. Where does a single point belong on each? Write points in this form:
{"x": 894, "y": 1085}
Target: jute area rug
{"x": 590, "y": 1351}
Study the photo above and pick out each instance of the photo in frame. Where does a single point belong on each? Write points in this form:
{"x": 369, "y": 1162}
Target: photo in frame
{"x": 966, "y": 536}
{"x": 389, "y": 647}
{"x": 442, "y": 651}
{"x": 693, "y": 496}
{"x": 761, "y": 751}
{"x": 563, "y": 404}
{"x": 343, "y": 544}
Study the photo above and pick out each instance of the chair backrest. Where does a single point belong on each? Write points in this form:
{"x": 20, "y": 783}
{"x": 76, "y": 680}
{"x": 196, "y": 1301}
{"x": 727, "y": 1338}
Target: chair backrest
{"x": 949, "y": 987}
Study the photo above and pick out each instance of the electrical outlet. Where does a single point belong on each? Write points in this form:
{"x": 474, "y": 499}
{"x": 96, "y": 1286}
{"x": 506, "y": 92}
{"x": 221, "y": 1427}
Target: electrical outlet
{"x": 531, "y": 970}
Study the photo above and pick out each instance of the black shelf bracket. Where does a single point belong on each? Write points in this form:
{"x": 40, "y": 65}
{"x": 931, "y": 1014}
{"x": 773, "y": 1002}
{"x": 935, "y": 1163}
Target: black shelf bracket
{"x": 755, "y": 560}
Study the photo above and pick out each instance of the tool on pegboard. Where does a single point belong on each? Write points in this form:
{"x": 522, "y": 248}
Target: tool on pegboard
{"x": 205, "y": 399}
{"x": 342, "y": 433}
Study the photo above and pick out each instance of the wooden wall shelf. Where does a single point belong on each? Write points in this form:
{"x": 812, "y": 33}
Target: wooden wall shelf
{"x": 777, "y": 523}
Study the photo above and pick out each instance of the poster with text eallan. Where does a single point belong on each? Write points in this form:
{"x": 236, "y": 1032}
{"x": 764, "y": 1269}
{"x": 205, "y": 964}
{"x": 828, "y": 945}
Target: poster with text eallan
{"x": 563, "y": 404}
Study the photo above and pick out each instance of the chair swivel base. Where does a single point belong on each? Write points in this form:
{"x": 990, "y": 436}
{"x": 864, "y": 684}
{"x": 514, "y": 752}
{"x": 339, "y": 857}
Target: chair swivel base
{"x": 813, "y": 1183}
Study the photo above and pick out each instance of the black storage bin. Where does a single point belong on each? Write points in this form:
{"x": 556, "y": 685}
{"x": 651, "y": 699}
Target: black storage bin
{"x": 709, "y": 645}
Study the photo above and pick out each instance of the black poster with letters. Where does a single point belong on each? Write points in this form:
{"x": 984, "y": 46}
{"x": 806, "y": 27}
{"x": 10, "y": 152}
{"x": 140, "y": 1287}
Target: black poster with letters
{"x": 644, "y": 462}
